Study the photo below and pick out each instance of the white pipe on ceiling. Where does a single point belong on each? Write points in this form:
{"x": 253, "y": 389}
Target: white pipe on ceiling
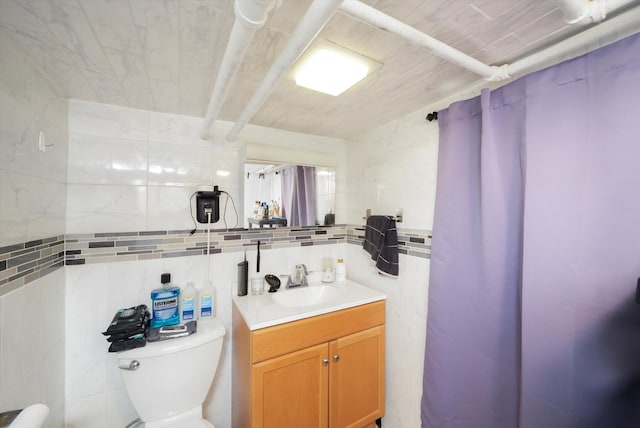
{"x": 389, "y": 24}
{"x": 312, "y": 22}
{"x": 250, "y": 15}
{"x": 617, "y": 24}
{"x": 577, "y": 11}
{"x": 321, "y": 11}
{"x": 589, "y": 11}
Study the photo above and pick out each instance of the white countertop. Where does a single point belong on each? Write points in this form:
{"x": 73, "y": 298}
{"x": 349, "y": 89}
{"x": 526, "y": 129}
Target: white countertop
{"x": 262, "y": 311}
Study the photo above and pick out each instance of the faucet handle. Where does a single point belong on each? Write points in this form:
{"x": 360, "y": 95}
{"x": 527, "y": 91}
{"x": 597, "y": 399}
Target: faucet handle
{"x": 303, "y": 268}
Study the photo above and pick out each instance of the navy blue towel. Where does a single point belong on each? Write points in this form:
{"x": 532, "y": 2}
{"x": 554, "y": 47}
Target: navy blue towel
{"x": 381, "y": 241}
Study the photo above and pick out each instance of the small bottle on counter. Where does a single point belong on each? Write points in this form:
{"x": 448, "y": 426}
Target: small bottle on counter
{"x": 341, "y": 270}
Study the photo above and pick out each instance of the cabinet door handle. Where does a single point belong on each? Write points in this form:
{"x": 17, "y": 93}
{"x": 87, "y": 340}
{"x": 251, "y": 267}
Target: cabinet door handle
{"x": 325, "y": 362}
{"x": 336, "y": 358}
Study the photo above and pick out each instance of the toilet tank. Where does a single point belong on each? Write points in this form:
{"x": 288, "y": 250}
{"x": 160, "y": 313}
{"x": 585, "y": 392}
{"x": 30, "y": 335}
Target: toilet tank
{"x": 173, "y": 376}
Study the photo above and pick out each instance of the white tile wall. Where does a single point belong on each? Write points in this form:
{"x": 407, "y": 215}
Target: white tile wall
{"x": 95, "y": 395}
{"x": 32, "y": 343}
{"x": 134, "y": 170}
{"x": 32, "y": 195}
{"x": 32, "y": 180}
{"x": 394, "y": 166}
{"x": 391, "y": 167}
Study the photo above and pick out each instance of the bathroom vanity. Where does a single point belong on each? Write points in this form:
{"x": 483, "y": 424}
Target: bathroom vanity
{"x": 320, "y": 364}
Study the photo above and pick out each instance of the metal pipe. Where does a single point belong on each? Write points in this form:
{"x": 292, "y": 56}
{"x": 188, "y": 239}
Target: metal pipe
{"x": 250, "y": 15}
{"x": 312, "y": 22}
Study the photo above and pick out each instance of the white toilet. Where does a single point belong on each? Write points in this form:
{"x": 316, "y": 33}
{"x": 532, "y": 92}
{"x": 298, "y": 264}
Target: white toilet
{"x": 167, "y": 381}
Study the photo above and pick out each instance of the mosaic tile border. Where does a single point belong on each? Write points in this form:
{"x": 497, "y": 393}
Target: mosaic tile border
{"x": 23, "y": 263}
{"x": 123, "y": 246}
{"x": 411, "y": 242}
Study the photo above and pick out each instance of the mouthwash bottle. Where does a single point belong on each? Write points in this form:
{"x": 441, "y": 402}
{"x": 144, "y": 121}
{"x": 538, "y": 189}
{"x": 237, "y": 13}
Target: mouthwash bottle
{"x": 165, "y": 303}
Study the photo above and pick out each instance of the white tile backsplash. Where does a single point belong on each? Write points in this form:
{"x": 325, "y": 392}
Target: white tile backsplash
{"x": 107, "y": 160}
{"x": 32, "y": 344}
{"x": 167, "y": 209}
{"x": 180, "y": 165}
{"x": 106, "y": 208}
{"x": 107, "y": 120}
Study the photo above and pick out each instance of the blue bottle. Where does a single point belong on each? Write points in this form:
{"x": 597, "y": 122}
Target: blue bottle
{"x": 164, "y": 303}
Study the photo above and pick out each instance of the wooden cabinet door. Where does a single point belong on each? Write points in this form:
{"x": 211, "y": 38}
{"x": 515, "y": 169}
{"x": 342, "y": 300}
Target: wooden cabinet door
{"x": 291, "y": 390}
{"x": 356, "y": 379}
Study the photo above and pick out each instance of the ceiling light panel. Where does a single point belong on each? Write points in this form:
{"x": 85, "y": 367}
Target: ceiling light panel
{"x": 330, "y": 68}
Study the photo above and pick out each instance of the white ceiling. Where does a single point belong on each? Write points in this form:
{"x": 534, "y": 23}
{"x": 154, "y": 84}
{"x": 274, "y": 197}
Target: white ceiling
{"x": 163, "y": 55}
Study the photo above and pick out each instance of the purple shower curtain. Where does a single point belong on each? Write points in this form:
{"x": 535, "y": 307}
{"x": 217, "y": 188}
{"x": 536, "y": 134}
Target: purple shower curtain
{"x": 536, "y": 251}
{"x": 299, "y": 195}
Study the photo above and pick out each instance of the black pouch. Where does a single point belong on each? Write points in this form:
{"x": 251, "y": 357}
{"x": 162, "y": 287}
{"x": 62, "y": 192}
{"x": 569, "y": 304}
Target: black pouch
{"x": 128, "y": 320}
{"x": 125, "y": 345}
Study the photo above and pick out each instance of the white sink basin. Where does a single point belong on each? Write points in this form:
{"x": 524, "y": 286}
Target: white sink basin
{"x": 307, "y": 296}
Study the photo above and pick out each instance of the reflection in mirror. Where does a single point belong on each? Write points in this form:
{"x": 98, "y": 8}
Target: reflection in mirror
{"x": 288, "y": 195}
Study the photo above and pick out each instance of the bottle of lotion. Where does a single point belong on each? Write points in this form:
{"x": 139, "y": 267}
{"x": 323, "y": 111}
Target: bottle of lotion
{"x": 207, "y": 301}
{"x": 188, "y": 303}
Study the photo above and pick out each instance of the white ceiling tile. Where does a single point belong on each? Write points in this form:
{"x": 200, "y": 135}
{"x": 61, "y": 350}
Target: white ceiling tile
{"x": 132, "y": 74}
{"x": 495, "y": 8}
{"x": 199, "y": 29}
{"x": 541, "y": 28}
{"x": 221, "y": 5}
{"x": 499, "y": 50}
{"x": 195, "y": 90}
{"x": 362, "y": 38}
{"x": 165, "y": 54}
{"x": 71, "y": 29}
{"x": 285, "y": 18}
{"x": 165, "y": 95}
{"x": 108, "y": 90}
{"x": 112, "y": 23}
{"x": 158, "y": 28}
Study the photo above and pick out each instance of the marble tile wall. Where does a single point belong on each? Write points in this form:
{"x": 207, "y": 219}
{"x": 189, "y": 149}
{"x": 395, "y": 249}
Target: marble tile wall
{"x": 391, "y": 167}
{"x": 32, "y": 213}
{"x": 130, "y": 178}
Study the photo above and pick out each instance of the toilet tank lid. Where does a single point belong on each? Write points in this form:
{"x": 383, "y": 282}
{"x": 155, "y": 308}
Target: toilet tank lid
{"x": 207, "y": 331}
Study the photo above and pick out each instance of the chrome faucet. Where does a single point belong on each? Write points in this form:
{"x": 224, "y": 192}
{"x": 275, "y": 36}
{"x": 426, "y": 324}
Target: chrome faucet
{"x": 299, "y": 277}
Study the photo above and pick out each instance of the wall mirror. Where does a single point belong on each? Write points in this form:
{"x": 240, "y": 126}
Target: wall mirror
{"x": 286, "y": 195}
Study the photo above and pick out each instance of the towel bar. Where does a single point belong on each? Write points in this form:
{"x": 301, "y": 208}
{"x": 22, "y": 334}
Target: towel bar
{"x": 397, "y": 217}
